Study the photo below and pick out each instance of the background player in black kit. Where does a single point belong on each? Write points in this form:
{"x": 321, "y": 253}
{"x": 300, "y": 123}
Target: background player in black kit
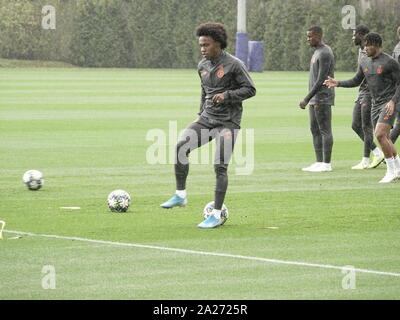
{"x": 361, "y": 121}
{"x": 225, "y": 83}
{"x": 394, "y": 134}
{"x": 382, "y": 74}
{"x": 320, "y": 99}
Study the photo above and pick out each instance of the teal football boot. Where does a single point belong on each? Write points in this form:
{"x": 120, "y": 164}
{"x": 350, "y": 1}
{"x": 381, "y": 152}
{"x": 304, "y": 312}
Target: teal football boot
{"x": 175, "y": 201}
{"x": 211, "y": 222}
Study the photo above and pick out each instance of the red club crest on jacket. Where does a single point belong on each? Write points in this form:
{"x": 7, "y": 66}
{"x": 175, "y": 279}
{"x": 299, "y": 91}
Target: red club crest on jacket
{"x": 220, "y": 72}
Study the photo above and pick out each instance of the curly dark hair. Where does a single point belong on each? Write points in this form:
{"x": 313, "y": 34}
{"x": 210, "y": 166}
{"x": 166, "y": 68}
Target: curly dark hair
{"x": 214, "y": 30}
{"x": 362, "y": 29}
{"x": 373, "y": 39}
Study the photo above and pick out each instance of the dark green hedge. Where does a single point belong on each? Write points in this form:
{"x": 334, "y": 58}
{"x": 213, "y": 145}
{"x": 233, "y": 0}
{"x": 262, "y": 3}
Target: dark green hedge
{"x": 160, "y": 33}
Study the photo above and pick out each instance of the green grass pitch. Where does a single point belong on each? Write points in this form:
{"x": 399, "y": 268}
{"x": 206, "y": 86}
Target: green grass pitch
{"x": 86, "y": 129}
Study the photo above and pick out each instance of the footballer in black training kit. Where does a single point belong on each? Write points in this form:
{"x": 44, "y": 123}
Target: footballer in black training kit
{"x": 320, "y": 99}
{"x": 382, "y": 74}
{"x": 225, "y": 83}
{"x": 361, "y": 120}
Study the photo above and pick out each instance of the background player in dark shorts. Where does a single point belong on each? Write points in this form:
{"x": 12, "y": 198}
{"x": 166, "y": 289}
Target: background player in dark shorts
{"x": 380, "y": 115}
{"x": 320, "y": 99}
{"x": 361, "y": 120}
{"x": 225, "y": 83}
{"x": 382, "y": 74}
{"x": 394, "y": 134}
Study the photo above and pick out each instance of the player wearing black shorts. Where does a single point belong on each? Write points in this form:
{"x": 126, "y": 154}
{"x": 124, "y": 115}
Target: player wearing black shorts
{"x": 225, "y": 83}
{"x": 382, "y": 74}
{"x": 361, "y": 121}
{"x": 320, "y": 99}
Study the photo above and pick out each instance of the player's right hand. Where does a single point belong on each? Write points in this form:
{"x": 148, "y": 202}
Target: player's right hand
{"x": 303, "y": 104}
{"x": 330, "y": 82}
{"x": 390, "y": 107}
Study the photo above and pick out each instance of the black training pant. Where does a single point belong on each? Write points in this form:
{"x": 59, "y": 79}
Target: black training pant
{"x": 321, "y": 130}
{"x": 362, "y": 125}
{"x": 197, "y": 134}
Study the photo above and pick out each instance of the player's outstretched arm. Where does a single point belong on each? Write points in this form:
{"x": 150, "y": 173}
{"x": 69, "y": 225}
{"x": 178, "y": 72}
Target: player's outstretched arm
{"x": 354, "y": 82}
{"x": 395, "y": 69}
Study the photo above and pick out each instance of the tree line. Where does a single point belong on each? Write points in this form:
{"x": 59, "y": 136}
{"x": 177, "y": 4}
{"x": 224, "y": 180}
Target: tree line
{"x": 160, "y": 33}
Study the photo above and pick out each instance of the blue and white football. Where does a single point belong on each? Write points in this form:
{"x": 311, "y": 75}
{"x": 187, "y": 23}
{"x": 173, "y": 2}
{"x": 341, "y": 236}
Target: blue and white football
{"x": 119, "y": 201}
{"x": 33, "y": 179}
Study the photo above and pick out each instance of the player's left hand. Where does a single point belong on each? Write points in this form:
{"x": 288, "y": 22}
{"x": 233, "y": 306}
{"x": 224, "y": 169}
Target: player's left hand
{"x": 390, "y": 107}
{"x": 303, "y": 104}
{"x": 218, "y": 98}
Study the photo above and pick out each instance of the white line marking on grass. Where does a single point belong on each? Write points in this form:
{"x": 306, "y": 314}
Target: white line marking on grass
{"x": 2, "y": 223}
{"x": 205, "y": 253}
